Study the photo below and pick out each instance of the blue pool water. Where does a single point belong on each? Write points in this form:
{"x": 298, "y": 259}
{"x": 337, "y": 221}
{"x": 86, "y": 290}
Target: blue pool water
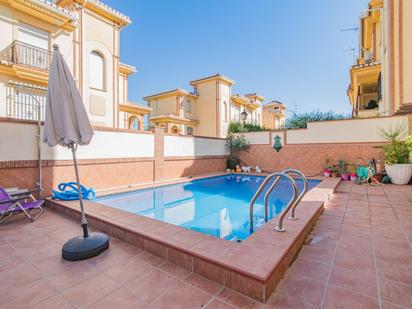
{"x": 218, "y": 206}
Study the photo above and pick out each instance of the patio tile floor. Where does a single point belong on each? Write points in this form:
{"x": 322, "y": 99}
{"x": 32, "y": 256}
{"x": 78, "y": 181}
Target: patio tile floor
{"x": 357, "y": 256}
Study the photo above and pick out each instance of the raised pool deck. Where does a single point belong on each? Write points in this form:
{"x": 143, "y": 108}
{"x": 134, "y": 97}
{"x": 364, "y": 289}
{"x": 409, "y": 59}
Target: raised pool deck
{"x": 252, "y": 267}
{"x": 357, "y": 256}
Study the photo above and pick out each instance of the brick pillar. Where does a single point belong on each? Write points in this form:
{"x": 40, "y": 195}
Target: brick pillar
{"x": 158, "y": 153}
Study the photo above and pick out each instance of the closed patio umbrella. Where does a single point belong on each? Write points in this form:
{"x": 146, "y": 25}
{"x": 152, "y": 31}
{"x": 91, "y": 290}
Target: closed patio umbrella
{"x": 67, "y": 124}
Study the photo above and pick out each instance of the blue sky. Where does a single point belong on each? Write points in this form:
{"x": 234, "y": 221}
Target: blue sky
{"x": 292, "y": 51}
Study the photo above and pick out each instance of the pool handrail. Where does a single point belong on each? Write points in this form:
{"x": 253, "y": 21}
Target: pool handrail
{"x": 285, "y": 210}
{"x": 304, "y": 191}
{"x": 256, "y": 195}
{"x": 278, "y": 175}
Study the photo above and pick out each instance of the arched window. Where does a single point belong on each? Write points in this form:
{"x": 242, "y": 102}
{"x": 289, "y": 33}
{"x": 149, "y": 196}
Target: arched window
{"x": 134, "y": 123}
{"x": 175, "y": 130}
{"x": 224, "y": 111}
{"x": 96, "y": 70}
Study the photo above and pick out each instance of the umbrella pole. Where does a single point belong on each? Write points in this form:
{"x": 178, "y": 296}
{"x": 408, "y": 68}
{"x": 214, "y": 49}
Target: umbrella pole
{"x": 84, "y": 246}
{"x": 76, "y": 170}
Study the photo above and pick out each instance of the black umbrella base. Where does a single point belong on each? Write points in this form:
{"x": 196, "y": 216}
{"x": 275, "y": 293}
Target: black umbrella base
{"x": 80, "y": 248}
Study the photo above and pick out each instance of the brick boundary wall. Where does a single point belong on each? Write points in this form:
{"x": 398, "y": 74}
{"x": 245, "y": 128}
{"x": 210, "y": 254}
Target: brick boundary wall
{"x": 108, "y": 173}
{"x": 309, "y": 158}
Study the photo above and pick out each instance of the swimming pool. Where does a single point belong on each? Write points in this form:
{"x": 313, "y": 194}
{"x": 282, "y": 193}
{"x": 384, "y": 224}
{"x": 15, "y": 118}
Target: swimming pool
{"x": 218, "y": 206}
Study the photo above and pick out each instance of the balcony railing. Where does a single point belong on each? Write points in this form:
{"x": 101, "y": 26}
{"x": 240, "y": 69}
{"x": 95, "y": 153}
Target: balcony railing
{"x": 25, "y": 102}
{"x": 28, "y": 55}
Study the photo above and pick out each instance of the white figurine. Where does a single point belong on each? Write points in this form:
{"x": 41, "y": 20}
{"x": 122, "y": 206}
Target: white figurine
{"x": 246, "y": 169}
{"x": 258, "y": 170}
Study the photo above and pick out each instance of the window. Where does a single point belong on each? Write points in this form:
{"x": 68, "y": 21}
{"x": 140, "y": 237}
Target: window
{"x": 235, "y": 114}
{"x": 224, "y": 111}
{"x": 189, "y": 131}
{"x": 134, "y": 123}
{"x": 188, "y": 106}
{"x": 175, "y": 130}
{"x": 33, "y": 36}
{"x": 96, "y": 70}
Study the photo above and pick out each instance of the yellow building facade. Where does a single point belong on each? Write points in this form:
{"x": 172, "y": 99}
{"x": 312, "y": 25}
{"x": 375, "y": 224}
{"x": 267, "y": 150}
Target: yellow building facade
{"x": 274, "y": 115}
{"x": 383, "y": 68}
{"x": 88, "y": 33}
{"x": 207, "y": 110}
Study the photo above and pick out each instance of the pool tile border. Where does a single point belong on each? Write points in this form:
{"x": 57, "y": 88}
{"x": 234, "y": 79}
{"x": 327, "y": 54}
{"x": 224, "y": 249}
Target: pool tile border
{"x": 253, "y": 267}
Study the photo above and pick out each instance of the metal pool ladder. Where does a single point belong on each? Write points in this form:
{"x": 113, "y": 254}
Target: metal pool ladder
{"x": 294, "y": 201}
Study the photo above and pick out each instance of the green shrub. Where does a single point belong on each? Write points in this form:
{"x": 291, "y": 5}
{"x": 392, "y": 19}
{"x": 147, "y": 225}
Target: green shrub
{"x": 300, "y": 120}
{"x": 237, "y": 127}
{"x": 235, "y": 144}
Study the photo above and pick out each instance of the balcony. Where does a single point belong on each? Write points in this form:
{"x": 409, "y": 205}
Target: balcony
{"x": 26, "y": 61}
{"x": 28, "y": 55}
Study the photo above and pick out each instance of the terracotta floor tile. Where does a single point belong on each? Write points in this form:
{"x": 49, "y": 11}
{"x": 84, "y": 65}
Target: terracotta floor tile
{"x": 89, "y": 291}
{"x": 237, "y": 300}
{"x": 68, "y": 274}
{"x": 129, "y": 270}
{"x": 149, "y": 258}
{"x": 303, "y": 288}
{"x": 182, "y": 296}
{"x": 54, "y": 302}
{"x": 355, "y": 262}
{"x": 339, "y": 298}
{"x": 121, "y": 298}
{"x": 387, "y": 305}
{"x": 27, "y": 295}
{"x": 309, "y": 268}
{"x": 206, "y": 285}
{"x": 114, "y": 255}
{"x": 15, "y": 277}
{"x": 150, "y": 286}
{"x": 174, "y": 270}
{"x": 217, "y": 304}
{"x": 279, "y": 301}
{"x": 395, "y": 272}
{"x": 396, "y": 293}
{"x": 356, "y": 280}
{"x": 321, "y": 254}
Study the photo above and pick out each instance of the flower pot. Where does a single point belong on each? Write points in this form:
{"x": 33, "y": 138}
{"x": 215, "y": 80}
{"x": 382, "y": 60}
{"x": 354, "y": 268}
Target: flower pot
{"x": 344, "y": 176}
{"x": 326, "y": 173}
{"x": 353, "y": 177}
{"x": 400, "y": 174}
{"x": 231, "y": 163}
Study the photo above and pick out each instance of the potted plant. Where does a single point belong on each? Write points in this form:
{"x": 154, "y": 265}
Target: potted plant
{"x": 396, "y": 153}
{"x": 327, "y": 168}
{"x": 342, "y": 170}
{"x": 353, "y": 175}
{"x": 235, "y": 143}
{"x": 334, "y": 171}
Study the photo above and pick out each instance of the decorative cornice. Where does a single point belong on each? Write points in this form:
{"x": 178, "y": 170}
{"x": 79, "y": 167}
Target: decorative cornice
{"x": 45, "y": 10}
{"x": 175, "y": 92}
{"x": 25, "y": 72}
{"x": 173, "y": 118}
{"x": 218, "y": 77}
{"x": 126, "y": 69}
{"x": 134, "y": 108}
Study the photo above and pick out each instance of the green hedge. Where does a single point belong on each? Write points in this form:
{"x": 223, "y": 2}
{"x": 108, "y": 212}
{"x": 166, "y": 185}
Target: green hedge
{"x": 300, "y": 120}
{"x": 237, "y": 127}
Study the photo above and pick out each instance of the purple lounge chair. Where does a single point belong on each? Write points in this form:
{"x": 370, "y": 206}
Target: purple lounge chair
{"x": 22, "y": 203}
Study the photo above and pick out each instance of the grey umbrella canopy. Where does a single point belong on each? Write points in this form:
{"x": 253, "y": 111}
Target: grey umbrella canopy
{"x": 66, "y": 121}
{"x": 67, "y": 124}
